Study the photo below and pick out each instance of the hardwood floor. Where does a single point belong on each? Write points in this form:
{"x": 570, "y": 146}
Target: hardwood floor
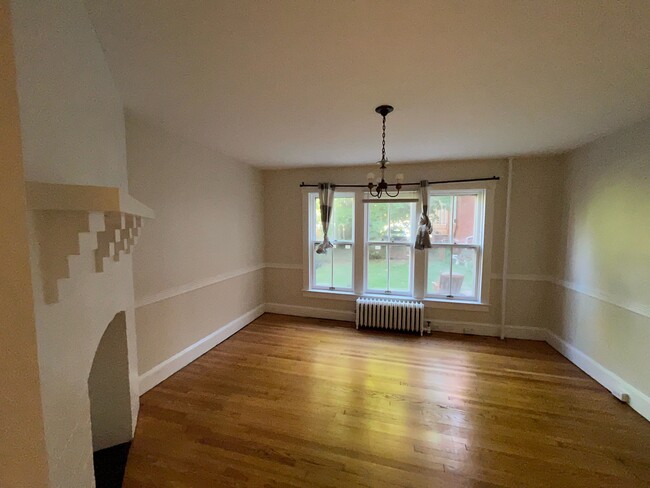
{"x": 300, "y": 402}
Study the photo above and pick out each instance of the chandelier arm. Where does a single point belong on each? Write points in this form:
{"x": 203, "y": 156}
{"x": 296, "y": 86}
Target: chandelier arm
{"x": 392, "y": 196}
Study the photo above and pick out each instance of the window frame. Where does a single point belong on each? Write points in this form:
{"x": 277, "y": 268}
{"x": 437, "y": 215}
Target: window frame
{"x": 367, "y": 243}
{"x": 419, "y": 259}
{"x": 478, "y": 245}
{"x": 312, "y": 196}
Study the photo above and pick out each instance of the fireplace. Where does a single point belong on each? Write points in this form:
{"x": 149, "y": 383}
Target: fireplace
{"x": 81, "y": 239}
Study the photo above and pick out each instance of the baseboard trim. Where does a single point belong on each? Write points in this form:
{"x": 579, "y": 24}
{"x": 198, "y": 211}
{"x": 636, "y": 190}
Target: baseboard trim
{"x": 639, "y": 401}
{"x": 179, "y": 360}
{"x": 470, "y": 328}
{"x": 313, "y": 312}
{"x": 525, "y": 332}
{"x": 490, "y": 330}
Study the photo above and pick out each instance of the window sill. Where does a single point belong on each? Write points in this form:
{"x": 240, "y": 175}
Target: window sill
{"x": 434, "y": 303}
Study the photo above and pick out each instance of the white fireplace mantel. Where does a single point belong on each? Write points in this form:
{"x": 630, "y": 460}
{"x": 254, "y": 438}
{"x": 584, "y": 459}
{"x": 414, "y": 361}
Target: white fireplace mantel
{"x": 53, "y": 196}
{"x": 69, "y": 218}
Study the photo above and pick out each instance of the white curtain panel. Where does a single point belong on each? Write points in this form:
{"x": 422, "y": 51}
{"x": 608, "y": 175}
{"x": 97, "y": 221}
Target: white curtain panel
{"x": 326, "y": 195}
{"x": 423, "y": 235}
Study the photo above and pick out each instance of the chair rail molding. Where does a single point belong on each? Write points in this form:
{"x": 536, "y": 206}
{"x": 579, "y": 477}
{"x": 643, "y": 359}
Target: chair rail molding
{"x": 196, "y": 285}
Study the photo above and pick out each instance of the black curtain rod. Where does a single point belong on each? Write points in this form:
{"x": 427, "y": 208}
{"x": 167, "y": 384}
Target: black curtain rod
{"x": 303, "y": 185}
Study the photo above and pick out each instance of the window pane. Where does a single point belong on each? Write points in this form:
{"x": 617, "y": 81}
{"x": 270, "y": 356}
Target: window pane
{"x": 322, "y": 268}
{"x": 378, "y": 222}
{"x": 463, "y": 283}
{"x": 342, "y": 256}
{"x": 400, "y": 268}
{"x": 377, "y": 272}
{"x": 342, "y": 219}
{"x": 440, "y": 216}
{"x": 438, "y": 271}
{"x": 465, "y": 223}
{"x": 400, "y": 222}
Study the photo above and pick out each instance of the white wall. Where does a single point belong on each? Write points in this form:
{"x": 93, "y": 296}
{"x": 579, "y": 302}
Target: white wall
{"x": 602, "y": 298}
{"x": 198, "y": 265}
{"x": 71, "y": 113}
{"x": 72, "y": 129}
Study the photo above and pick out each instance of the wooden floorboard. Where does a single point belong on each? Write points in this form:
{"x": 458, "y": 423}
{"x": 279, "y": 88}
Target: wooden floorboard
{"x": 295, "y": 402}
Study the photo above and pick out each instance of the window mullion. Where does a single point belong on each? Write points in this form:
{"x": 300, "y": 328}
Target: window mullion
{"x": 454, "y": 210}
{"x": 390, "y": 236}
{"x": 332, "y": 269}
{"x": 451, "y": 270}
{"x": 359, "y": 248}
{"x": 388, "y": 265}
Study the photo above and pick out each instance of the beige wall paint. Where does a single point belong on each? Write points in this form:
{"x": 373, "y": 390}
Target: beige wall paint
{"x": 605, "y": 254}
{"x": 23, "y": 457}
{"x": 208, "y": 227}
{"x": 72, "y": 132}
{"x": 530, "y": 245}
{"x": 535, "y": 215}
{"x": 71, "y": 113}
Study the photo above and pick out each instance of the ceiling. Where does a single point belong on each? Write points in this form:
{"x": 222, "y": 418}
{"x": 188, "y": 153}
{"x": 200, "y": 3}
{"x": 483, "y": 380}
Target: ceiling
{"x": 280, "y": 83}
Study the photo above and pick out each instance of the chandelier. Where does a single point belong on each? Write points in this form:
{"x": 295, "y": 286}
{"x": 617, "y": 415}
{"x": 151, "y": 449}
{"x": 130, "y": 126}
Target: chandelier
{"x": 381, "y": 188}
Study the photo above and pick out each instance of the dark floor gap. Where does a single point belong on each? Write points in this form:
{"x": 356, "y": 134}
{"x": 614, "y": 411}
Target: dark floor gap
{"x": 110, "y": 464}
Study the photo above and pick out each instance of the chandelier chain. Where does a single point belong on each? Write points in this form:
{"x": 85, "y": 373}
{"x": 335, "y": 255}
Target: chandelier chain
{"x": 383, "y": 138}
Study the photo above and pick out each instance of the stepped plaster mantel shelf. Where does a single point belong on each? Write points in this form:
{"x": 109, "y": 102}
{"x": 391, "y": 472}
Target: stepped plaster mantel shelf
{"x": 72, "y": 222}
{"x": 52, "y": 196}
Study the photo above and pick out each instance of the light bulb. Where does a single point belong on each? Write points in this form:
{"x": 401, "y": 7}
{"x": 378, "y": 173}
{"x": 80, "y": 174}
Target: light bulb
{"x": 399, "y": 177}
{"x": 371, "y": 177}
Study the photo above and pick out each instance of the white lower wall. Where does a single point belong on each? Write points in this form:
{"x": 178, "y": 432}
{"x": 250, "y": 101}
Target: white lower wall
{"x": 638, "y": 400}
{"x": 169, "y": 327}
{"x": 165, "y": 369}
